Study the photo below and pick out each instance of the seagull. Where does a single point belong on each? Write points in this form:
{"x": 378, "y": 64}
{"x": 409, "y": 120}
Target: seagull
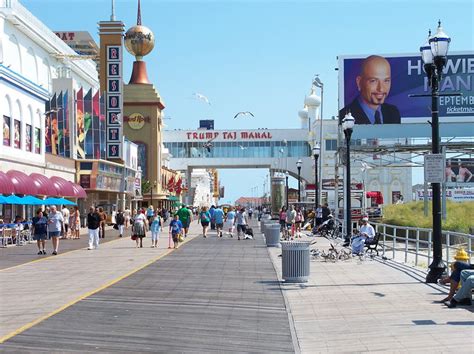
{"x": 365, "y": 166}
{"x": 244, "y": 113}
{"x": 201, "y": 97}
{"x": 243, "y": 147}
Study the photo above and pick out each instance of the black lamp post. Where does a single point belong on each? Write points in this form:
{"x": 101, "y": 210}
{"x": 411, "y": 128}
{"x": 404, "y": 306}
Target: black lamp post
{"x": 151, "y": 190}
{"x": 347, "y": 126}
{"x": 434, "y": 54}
{"x": 298, "y": 166}
{"x": 316, "y": 151}
{"x": 286, "y": 177}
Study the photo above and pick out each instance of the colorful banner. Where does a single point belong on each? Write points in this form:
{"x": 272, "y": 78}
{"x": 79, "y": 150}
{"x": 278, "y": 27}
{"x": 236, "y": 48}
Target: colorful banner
{"x": 54, "y": 125}
{"x": 37, "y": 141}
{"x": 459, "y": 170}
{"x": 60, "y": 123}
{"x": 375, "y": 89}
{"x": 17, "y": 134}
{"x": 6, "y": 131}
{"x": 102, "y": 127}
{"x": 80, "y": 128}
{"x": 96, "y": 125}
{"x": 47, "y": 127}
{"x": 28, "y": 137}
{"x": 88, "y": 138}
{"x": 66, "y": 126}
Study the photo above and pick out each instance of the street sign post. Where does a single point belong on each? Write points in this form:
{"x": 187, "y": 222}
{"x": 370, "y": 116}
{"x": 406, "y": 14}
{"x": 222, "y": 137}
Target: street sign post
{"x": 435, "y": 168}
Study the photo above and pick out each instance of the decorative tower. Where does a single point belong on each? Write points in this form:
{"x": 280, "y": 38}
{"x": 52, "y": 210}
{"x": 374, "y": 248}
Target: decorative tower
{"x": 142, "y": 111}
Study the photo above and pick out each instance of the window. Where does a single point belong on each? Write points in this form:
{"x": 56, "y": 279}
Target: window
{"x": 6, "y": 131}
{"x": 37, "y": 141}
{"x": 331, "y": 144}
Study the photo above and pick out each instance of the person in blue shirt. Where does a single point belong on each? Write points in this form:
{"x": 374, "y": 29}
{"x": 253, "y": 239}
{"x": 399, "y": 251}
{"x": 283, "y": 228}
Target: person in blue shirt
{"x": 219, "y": 220}
{"x": 175, "y": 228}
{"x": 204, "y": 219}
{"x": 211, "y": 212}
{"x": 155, "y": 229}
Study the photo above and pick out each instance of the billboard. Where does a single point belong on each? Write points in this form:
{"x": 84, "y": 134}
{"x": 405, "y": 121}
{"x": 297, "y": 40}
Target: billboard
{"x": 459, "y": 170}
{"x": 375, "y": 89}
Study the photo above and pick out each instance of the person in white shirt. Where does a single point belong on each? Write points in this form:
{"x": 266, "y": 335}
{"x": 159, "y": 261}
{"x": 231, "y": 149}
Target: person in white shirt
{"x": 55, "y": 226}
{"x": 365, "y": 235}
{"x": 65, "y": 212}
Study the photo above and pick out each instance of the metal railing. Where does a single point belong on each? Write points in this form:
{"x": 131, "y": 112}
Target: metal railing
{"x": 415, "y": 243}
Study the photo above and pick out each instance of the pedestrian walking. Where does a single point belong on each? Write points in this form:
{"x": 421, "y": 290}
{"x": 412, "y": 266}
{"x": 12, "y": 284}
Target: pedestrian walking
{"x": 65, "y": 212}
{"x": 211, "y": 213}
{"x": 219, "y": 220}
{"x": 241, "y": 222}
{"x": 155, "y": 229}
{"x": 55, "y": 226}
{"x": 127, "y": 215}
{"x": 139, "y": 228}
{"x": 204, "y": 219}
{"x": 291, "y": 220}
{"x": 93, "y": 226}
{"x": 120, "y": 222}
{"x": 103, "y": 219}
{"x": 175, "y": 228}
{"x": 185, "y": 216}
{"x": 40, "y": 230}
{"x": 229, "y": 221}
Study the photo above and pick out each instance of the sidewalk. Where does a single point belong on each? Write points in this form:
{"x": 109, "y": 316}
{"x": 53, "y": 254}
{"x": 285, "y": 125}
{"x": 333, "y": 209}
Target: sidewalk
{"x": 214, "y": 294}
{"x": 373, "y": 305}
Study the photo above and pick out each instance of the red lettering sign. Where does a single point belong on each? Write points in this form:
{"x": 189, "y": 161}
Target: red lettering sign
{"x": 246, "y": 135}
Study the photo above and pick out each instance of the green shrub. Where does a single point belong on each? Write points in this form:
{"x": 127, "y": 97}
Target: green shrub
{"x": 460, "y": 216}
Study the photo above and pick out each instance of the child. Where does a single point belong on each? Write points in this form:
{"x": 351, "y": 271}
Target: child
{"x": 175, "y": 228}
{"x": 155, "y": 229}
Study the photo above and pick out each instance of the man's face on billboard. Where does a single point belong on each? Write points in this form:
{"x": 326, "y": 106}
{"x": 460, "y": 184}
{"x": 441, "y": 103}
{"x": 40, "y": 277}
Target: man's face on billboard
{"x": 374, "y": 81}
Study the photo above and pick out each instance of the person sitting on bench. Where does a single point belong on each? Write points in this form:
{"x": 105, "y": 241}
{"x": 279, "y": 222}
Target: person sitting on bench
{"x": 463, "y": 295}
{"x": 365, "y": 235}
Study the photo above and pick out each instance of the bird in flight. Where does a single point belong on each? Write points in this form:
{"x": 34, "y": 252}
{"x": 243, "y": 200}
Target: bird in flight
{"x": 242, "y": 147}
{"x": 201, "y": 97}
{"x": 247, "y": 113}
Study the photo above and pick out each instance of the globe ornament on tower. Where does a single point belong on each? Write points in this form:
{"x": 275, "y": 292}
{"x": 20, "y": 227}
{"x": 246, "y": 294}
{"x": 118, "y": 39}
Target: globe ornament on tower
{"x": 139, "y": 41}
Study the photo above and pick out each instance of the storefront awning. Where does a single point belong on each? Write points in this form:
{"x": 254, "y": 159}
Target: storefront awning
{"x": 79, "y": 191}
{"x": 6, "y": 185}
{"x": 44, "y": 184}
{"x": 64, "y": 188}
{"x": 23, "y": 183}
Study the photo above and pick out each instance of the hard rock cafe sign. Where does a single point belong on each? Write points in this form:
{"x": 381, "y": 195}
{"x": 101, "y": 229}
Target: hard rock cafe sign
{"x": 136, "y": 121}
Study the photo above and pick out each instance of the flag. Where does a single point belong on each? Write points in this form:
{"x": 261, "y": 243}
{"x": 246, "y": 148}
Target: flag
{"x": 170, "y": 185}
{"x": 178, "y": 187}
{"x": 80, "y": 134}
{"x": 60, "y": 125}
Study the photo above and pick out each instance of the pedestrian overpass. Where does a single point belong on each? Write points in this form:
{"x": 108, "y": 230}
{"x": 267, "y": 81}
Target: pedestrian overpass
{"x": 274, "y": 149}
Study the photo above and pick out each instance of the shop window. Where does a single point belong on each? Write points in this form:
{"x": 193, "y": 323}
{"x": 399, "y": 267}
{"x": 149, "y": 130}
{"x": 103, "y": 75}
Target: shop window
{"x": 6, "y": 131}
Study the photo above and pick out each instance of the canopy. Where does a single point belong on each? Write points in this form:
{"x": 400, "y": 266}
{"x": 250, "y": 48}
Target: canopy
{"x": 13, "y": 199}
{"x": 6, "y": 186}
{"x": 79, "y": 192}
{"x": 44, "y": 184}
{"x": 2, "y": 199}
{"x": 23, "y": 183}
{"x": 63, "y": 187}
{"x": 30, "y": 200}
{"x": 57, "y": 201}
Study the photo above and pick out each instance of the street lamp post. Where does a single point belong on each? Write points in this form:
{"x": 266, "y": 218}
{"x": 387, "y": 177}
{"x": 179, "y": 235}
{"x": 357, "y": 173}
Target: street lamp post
{"x": 316, "y": 151}
{"x": 347, "y": 126}
{"x": 286, "y": 177}
{"x": 434, "y": 55}
{"x": 298, "y": 166}
{"x": 151, "y": 191}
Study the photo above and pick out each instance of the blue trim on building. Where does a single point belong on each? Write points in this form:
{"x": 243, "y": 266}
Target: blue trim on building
{"x": 19, "y": 81}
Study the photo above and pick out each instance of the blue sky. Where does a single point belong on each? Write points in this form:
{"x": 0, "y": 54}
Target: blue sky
{"x": 260, "y": 56}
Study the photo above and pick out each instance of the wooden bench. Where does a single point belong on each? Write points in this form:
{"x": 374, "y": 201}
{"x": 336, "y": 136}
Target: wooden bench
{"x": 374, "y": 243}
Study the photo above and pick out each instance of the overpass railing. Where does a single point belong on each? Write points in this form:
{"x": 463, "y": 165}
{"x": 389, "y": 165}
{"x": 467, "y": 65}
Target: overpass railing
{"x": 415, "y": 244}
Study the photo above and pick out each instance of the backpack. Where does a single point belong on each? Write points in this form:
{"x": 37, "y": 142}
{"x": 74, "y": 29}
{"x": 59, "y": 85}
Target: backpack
{"x": 204, "y": 217}
{"x": 119, "y": 218}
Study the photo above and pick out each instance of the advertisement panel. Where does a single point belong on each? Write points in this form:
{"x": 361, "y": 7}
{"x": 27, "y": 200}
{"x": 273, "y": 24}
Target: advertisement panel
{"x": 375, "y": 89}
{"x": 459, "y": 170}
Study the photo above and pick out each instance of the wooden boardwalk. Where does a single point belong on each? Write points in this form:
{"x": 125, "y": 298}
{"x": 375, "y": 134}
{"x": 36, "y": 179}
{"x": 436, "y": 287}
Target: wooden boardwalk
{"x": 210, "y": 295}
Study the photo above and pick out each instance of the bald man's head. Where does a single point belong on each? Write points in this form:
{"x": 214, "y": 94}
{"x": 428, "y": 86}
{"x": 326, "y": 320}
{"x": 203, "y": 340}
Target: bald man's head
{"x": 374, "y": 80}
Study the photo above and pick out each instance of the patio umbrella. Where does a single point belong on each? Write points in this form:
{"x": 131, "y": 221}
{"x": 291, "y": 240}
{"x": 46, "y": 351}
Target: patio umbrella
{"x": 30, "y": 200}
{"x": 2, "y": 199}
{"x": 13, "y": 199}
{"x": 57, "y": 201}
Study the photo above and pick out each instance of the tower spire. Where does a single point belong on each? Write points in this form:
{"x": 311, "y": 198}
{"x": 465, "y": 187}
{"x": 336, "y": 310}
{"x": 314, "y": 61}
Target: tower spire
{"x": 139, "y": 15}
{"x": 112, "y": 15}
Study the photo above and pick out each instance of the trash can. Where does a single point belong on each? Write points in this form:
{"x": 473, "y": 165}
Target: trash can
{"x": 265, "y": 220}
{"x": 272, "y": 235}
{"x": 295, "y": 261}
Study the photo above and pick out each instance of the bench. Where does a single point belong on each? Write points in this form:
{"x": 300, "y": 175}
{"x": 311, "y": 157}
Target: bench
{"x": 373, "y": 244}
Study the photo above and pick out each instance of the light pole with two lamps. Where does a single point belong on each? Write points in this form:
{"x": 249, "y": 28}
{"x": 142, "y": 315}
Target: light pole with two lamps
{"x": 286, "y": 178}
{"x": 298, "y": 166}
{"x": 347, "y": 126}
{"x": 316, "y": 152}
{"x": 434, "y": 54}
